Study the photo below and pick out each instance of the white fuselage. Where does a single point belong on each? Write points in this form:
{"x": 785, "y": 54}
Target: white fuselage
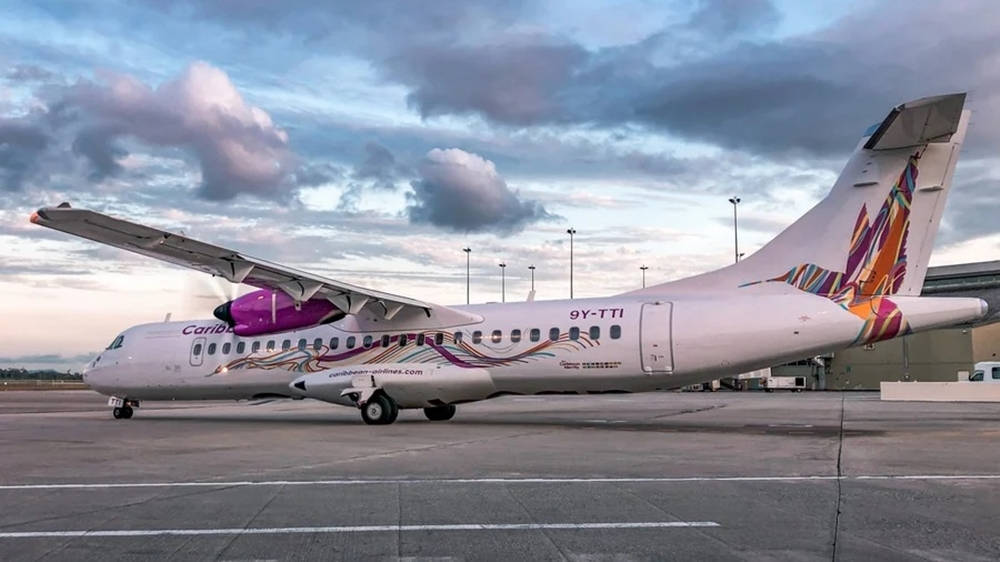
{"x": 624, "y": 343}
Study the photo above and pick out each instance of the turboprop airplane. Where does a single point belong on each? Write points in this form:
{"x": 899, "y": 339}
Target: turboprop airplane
{"x": 849, "y": 272}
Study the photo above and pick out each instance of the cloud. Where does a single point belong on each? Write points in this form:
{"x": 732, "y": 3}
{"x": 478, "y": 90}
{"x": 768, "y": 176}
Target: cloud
{"x": 377, "y": 170}
{"x": 710, "y": 79}
{"x": 379, "y": 167}
{"x": 462, "y": 191}
{"x": 239, "y": 148}
{"x": 200, "y": 113}
{"x": 515, "y": 80}
{"x": 26, "y": 73}
{"x": 21, "y": 144}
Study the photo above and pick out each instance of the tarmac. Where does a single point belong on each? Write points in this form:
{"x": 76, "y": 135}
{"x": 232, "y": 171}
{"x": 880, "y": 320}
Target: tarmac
{"x": 658, "y": 476}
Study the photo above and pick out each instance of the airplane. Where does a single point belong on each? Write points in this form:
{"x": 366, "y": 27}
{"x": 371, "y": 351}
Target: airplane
{"x": 849, "y": 272}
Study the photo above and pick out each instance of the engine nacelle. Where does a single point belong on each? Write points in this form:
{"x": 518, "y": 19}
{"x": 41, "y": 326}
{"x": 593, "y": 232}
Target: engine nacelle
{"x": 268, "y": 312}
{"x": 411, "y": 385}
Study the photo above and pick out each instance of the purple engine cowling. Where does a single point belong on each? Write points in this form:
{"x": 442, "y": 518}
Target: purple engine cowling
{"x": 251, "y": 314}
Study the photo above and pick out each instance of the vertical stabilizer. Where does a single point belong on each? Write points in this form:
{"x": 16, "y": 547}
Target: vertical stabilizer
{"x": 873, "y": 233}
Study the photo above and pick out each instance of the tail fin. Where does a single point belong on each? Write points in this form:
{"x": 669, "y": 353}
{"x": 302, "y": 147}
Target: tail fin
{"x": 873, "y": 233}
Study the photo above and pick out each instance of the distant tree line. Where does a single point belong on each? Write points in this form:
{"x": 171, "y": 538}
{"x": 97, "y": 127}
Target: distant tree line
{"x": 43, "y": 374}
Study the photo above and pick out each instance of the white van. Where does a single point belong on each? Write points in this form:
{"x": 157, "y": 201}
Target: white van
{"x": 986, "y": 371}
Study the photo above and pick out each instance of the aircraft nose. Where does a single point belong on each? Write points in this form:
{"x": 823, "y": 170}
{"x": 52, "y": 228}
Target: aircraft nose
{"x": 89, "y": 368}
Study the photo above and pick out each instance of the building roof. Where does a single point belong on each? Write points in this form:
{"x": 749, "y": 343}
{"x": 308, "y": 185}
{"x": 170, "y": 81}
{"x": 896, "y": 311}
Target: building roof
{"x": 960, "y": 270}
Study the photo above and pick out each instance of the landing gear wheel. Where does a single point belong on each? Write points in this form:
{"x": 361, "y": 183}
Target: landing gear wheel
{"x": 440, "y": 413}
{"x": 379, "y": 410}
{"x": 122, "y": 412}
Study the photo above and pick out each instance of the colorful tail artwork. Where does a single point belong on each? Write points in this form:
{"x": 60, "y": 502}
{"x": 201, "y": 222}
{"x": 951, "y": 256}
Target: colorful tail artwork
{"x": 876, "y": 265}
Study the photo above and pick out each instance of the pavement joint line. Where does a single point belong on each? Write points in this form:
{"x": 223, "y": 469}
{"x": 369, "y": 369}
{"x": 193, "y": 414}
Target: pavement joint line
{"x": 358, "y": 529}
{"x": 596, "y": 480}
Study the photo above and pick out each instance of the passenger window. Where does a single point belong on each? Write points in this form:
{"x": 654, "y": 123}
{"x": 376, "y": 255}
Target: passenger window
{"x": 574, "y": 333}
{"x": 302, "y": 344}
{"x": 241, "y": 347}
{"x": 211, "y": 349}
{"x": 458, "y": 337}
{"x": 197, "y": 349}
{"x": 595, "y": 332}
{"x": 554, "y": 334}
{"x": 367, "y": 341}
{"x": 255, "y": 347}
{"x": 226, "y": 347}
{"x": 286, "y": 345}
{"x": 334, "y": 343}
{"x": 996, "y": 373}
{"x": 496, "y": 336}
{"x": 535, "y": 334}
{"x": 403, "y": 339}
{"x": 616, "y": 332}
{"x": 438, "y": 338}
{"x": 420, "y": 339}
{"x": 318, "y": 344}
{"x": 270, "y": 345}
{"x": 515, "y": 336}
{"x": 386, "y": 340}
{"x": 477, "y": 337}
{"x": 350, "y": 342}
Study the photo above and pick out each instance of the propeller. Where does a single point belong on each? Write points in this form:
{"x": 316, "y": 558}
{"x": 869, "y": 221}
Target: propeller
{"x": 203, "y": 294}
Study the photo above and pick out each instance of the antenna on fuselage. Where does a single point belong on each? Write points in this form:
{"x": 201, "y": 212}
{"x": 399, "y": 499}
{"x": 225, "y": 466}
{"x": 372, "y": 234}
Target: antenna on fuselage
{"x": 167, "y": 317}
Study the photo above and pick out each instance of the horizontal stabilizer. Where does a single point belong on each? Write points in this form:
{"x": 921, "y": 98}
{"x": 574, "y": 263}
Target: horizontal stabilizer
{"x": 918, "y": 122}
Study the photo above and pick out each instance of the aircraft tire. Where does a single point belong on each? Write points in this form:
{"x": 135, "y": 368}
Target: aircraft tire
{"x": 395, "y": 410}
{"x": 117, "y": 413}
{"x": 440, "y": 413}
{"x": 379, "y": 410}
{"x": 127, "y": 412}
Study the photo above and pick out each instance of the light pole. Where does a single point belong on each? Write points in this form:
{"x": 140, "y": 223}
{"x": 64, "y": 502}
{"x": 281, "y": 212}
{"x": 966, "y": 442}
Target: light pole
{"x": 571, "y": 232}
{"x": 468, "y": 253}
{"x": 532, "y": 268}
{"x": 503, "y": 282}
{"x": 643, "y": 268}
{"x": 736, "y": 231}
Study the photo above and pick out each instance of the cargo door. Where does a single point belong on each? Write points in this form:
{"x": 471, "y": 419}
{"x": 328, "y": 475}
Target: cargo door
{"x": 654, "y": 338}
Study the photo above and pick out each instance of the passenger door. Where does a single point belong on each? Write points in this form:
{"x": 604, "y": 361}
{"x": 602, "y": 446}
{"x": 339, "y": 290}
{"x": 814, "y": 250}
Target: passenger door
{"x": 197, "y": 351}
{"x": 654, "y": 338}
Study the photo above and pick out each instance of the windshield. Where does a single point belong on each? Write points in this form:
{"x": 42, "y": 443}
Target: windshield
{"x": 116, "y": 343}
{"x": 977, "y": 376}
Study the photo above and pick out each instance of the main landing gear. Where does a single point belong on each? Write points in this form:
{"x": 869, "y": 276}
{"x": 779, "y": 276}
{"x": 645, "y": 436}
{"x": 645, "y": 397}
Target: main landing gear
{"x": 440, "y": 413}
{"x": 381, "y": 409}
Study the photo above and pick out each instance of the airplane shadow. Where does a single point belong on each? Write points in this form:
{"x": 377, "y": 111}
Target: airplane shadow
{"x": 671, "y": 426}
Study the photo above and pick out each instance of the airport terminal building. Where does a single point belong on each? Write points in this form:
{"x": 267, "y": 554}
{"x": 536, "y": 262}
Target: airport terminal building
{"x": 939, "y": 355}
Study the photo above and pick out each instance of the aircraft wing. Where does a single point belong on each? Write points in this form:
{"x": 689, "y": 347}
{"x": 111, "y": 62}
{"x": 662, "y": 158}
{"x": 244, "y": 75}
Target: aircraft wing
{"x": 239, "y": 268}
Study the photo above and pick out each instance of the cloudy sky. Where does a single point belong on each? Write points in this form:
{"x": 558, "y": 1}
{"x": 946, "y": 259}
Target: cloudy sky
{"x": 372, "y": 141}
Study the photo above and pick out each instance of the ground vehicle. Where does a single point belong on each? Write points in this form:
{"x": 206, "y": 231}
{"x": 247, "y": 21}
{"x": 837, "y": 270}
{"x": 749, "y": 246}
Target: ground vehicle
{"x": 771, "y": 384}
{"x": 986, "y": 371}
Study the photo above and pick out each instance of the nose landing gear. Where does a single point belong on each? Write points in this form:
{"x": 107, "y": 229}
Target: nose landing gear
{"x": 122, "y": 408}
{"x": 123, "y": 413}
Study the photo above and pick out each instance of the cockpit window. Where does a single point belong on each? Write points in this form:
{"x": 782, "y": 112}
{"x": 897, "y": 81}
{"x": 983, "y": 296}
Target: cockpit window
{"x": 117, "y": 343}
